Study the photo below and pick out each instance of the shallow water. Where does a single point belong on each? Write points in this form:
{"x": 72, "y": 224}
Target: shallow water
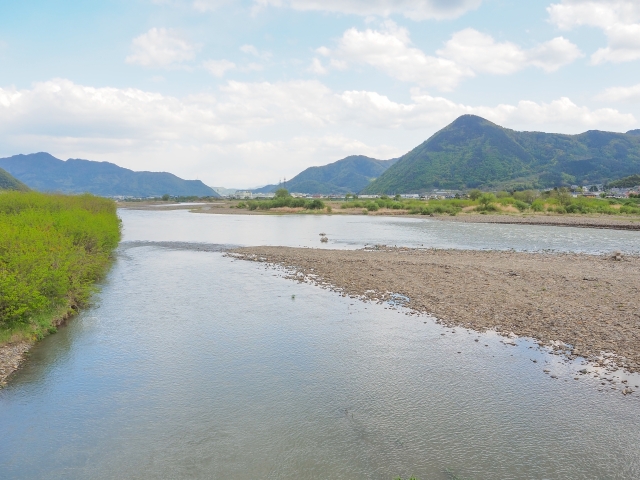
{"x": 355, "y": 231}
{"x": 196, "y": 365}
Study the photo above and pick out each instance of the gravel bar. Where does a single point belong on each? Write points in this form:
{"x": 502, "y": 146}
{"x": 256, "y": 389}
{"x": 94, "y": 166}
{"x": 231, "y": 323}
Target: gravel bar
{"x": 583, "y": 305}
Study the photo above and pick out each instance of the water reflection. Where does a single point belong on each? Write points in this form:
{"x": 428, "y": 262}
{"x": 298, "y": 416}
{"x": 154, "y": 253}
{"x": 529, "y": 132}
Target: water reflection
{"x": 351, "y": 231}
{"x": 194, "y": 365}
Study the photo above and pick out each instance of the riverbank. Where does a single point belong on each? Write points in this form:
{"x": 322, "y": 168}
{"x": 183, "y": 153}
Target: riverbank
{"x": 53, "y": 249}
{"x": 583, "y": 304}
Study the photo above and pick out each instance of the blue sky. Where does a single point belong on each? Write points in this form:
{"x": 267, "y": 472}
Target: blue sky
{"x": 244, "y": 93}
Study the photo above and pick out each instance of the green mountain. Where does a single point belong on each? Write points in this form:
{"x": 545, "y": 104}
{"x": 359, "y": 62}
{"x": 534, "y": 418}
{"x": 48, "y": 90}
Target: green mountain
{"x": 626, "y": 182}
{"x": 7, "y": 182}
{"x": 472, "y": 152}
{"x": 44, "y": 172}
{"x": 349, "y": 175}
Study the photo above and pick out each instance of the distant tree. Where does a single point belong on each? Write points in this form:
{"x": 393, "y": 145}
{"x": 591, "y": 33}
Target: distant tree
{"x": 165, "y": 197}
{"x": 282, "y": 193}
{"x": 475, "y": 194}
{"x": 348, "y": 196}
{"x": 397, "y": 197}
{"x": 502, "y": 194}
{"x": 564, "y": 197}
{"x": 486, "y": 199}
{"x": 527, "y": 196}
{"x": 593, "y": 188}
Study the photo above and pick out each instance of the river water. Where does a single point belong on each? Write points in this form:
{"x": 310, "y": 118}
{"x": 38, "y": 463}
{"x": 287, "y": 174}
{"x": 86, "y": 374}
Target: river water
{"x": 191, "y": 364}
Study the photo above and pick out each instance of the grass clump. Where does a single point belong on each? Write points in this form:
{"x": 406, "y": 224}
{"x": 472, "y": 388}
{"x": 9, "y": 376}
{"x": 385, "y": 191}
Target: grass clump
{"x": 53, "y": 248}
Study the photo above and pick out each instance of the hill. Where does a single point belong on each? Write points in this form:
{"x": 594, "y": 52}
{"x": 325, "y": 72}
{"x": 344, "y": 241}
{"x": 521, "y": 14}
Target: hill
{"x": 473, "y": 152}
{"x": 7, "y": 182}
{"x": 626, "y": 182}
{"x": 349, "y": 175}
{"x": 44, "y": 172}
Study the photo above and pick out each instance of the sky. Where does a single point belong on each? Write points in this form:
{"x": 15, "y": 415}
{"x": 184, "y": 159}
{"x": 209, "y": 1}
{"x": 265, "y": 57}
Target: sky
{"x": 242, "y": 93}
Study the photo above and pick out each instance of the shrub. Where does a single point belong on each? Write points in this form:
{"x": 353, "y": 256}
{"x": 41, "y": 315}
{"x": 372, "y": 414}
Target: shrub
{"x": 371, "y": 206}
{"x": 52, "y": 250}
{"x": 315, "y": 204}
{"x": 537, "y": 206}
{"x": 521, "y": 205}
{"x": 475, "y": 194}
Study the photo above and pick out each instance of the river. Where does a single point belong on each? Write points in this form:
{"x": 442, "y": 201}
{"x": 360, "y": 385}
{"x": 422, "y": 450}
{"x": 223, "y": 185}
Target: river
{"x": 191, "y": 364}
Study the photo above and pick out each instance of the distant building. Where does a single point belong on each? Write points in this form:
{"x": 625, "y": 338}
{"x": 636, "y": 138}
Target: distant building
{"x": 243, "y": 194}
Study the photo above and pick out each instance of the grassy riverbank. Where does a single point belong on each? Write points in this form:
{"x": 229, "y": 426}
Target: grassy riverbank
{"x": 53, "y": 248}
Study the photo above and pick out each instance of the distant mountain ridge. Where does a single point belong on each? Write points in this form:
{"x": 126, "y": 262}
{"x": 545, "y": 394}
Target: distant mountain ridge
{"x": 473, "y": 152}
{"x": 349, "y": 175}
{"x": 7, "y": 182}
{"x": 44, "y": 172}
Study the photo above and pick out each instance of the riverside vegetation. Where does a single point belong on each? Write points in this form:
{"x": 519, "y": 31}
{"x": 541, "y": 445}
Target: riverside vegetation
{"x": 558, "y": 201}
{"x": 53, "y": 248}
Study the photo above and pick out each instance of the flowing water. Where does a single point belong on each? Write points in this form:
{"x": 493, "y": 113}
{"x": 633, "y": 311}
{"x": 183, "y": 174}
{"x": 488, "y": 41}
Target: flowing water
{"x": 195, "y": 365}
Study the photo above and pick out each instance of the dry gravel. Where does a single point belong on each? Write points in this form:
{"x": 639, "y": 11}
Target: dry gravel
{"x": 11, "y": 356}
{"x": 588, "y": 302}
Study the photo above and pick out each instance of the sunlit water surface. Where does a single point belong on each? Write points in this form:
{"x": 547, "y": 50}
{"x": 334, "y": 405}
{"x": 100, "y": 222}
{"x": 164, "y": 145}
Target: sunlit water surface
{"x": 195, "y": 365}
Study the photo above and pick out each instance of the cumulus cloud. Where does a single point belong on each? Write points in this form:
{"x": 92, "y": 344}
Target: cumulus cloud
{"x": 218, "y": 68}
{"x": 160, "y": 47}
{"x": 467, "y": 52}
{"x": 482, "y": 53}
{"x": 250, "y": 133}
{"x": 621, "y": 94}
{"x": 390, "y": 50}
{"x": 618, "y": 19}
{"x": 413, "y": 9}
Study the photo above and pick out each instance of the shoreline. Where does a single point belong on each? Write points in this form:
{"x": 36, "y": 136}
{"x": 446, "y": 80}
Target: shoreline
{"x": 580, "y": 305}
{"x": 13, "y": 354}
{"x": 612, "y": 222}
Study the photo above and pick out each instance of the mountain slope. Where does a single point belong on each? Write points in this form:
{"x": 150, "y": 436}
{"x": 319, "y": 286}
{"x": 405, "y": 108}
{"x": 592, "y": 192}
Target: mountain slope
{"x": 44, "y": 172}
{"x": 349, "y": 175}
{"x": 473, "y": 152}
{"x": 7, "y": 182}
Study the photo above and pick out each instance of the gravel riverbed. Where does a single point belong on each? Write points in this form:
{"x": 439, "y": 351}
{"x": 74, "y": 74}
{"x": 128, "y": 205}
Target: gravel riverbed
{"x": 583, "y": 305}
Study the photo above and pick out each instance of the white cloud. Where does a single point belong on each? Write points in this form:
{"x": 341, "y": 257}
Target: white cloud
{"x": 618, "y": 19}
{"x": 251, "y": 133}
{"x": 467, "y": 52}
{"x": 316, "y": 67}
{"x": 414, "y": 9}
{"x": 209, "y": 5}
{"x": 390, "y": 51}
{"x": 160, "y": 47}
{"x": 482, "y": 53}
{"x": 252, "y": 50}
{"x": 218, "y": 68}
{"x": 621, "y": 94}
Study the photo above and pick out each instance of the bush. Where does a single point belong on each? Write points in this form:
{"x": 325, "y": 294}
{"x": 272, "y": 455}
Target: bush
{"x": 537, "y": 206}
{"x": 475, "y": 194}
{"x": 371, "y": 206}
{"x": 521, "y": 205}
{"x": 52, "y": 250}
{"x": 315, "y": 204}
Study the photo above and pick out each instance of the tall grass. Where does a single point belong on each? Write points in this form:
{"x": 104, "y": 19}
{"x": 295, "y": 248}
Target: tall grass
{"x": 53, "y": 248}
